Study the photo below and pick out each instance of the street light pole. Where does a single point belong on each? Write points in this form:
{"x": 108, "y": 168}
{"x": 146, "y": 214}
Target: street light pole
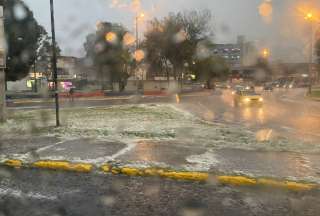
{"x": 2, "y": 68}
{"x": 138, "y": 16}
{"x": 54, "y": 64}
{"x": 137, "y": 32}
{"x": 311, "y": 58}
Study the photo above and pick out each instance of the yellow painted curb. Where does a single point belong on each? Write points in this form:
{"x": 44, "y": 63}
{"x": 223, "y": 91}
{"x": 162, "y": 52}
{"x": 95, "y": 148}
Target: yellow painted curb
{"x": 106, "y": 168}
{"x": 13, "y": 163}
{"x": 159, "y": 172}
{"x": 202, "y": 176}
{"x": 130, "y": 171}
{"x": 190, "y": 176}
{"x": 115, "y": 170}
{"x": 236, "y": 180}
{"x": 63, "y": 165}
{"x": 287, "y": 185}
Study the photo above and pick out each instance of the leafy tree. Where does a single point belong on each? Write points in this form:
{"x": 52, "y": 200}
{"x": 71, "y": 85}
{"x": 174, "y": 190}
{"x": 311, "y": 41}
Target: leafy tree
{"x": 109, "y": 53}
{"x": 212, "y": 67}
{"x": 22, "y": 32}
{"x": 156, "y": 54}
{"x": 264, "y": 71}
{"x": 43, "y": 53}
{"x": 176, "y": 39}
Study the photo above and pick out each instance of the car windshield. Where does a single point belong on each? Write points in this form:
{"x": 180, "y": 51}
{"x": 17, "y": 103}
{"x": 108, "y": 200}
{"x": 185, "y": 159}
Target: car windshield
{"x": 159, "y": 107}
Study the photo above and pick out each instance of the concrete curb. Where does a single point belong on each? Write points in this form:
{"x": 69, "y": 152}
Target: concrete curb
{"x": 163, "y": 173}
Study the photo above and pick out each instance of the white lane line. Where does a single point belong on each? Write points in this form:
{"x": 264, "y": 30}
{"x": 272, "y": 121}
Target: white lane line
{"x": 287, "y": 128}
{"x": 130, "y": 146}
{"x": 96, "y": 161}
{"x": 20, "y": 194}
{"x": 49, "y": 146}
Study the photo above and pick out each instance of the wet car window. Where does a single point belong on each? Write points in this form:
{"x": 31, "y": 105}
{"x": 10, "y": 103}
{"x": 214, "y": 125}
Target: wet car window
{"x": 158, "y": 107}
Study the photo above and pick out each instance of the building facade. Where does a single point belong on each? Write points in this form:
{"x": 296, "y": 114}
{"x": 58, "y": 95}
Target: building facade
{"x": 240, "y": 54}
{"x": 40, "y": 76}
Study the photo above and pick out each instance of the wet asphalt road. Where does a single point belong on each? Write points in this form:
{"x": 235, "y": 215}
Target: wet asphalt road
{"x": 34, "y": 192}
{"x": 285, "y": 113}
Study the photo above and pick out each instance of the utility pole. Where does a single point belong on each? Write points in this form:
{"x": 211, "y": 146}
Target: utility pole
{"x": 311, "y": 58}
{"x": 54, "y": 64}
{"x": 137, "y": 32}
{"x": 137, "y": 47}
{"x": 2, "y": 68}
{"x": 138, "y": 17}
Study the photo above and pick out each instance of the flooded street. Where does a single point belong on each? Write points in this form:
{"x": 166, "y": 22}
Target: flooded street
{"x": 285, "y": 114}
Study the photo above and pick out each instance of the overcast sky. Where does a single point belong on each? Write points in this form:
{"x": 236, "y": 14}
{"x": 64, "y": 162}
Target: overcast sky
{"x": 281, "y": 29}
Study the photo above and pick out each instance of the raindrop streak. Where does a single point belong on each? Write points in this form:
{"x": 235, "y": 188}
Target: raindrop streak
{"x": 20, "y": 12}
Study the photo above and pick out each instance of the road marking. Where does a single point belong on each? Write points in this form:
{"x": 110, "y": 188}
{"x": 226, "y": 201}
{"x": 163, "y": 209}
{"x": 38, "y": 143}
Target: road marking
{"x": 130, "y": 146}
{"x": 49, "y": 146}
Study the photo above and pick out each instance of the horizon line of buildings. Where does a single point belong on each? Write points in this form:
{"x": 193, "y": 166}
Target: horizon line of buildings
{"x": 240, "y": 56}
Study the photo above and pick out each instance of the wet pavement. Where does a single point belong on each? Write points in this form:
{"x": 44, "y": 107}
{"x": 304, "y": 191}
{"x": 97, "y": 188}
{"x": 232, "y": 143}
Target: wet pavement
{"x": 272, "y": 164}
{"x": 285, "y": 114}
{"x": 34, "y": 192}
{"x": 81, "y": 149}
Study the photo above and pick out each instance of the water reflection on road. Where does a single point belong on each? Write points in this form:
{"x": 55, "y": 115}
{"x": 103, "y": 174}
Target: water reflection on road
{"x": 294, "y": 118}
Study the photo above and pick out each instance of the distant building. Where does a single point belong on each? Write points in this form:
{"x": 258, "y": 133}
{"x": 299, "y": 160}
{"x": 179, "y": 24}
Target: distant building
{"x": 237, "y": 55}
{"x": 230, "y": 52}
{"x": 67, "y": 67}
{"x": 40, "y": 76}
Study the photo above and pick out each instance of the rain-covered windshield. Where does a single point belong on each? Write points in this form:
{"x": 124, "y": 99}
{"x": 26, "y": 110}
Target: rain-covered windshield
{"x": 159, "y": 107}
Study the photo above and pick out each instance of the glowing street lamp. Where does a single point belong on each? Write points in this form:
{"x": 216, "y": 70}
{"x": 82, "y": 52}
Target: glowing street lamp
{"x": 265, "y": 53}
{"x": 138, "y": 53}
{"x": 310, "y": 17}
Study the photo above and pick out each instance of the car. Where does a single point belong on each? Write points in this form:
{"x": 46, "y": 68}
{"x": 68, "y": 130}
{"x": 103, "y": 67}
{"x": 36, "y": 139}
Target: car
{"x": 236, "y": 89}
{"x": 222, "y": 85}
{"x": 247, "y": 97}
{"x": 268, "y": 87}
{"x": 249, "y": 87}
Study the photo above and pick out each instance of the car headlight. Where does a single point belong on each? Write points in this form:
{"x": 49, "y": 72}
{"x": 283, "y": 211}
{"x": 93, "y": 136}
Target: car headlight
{"x": 260, "y": 99}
